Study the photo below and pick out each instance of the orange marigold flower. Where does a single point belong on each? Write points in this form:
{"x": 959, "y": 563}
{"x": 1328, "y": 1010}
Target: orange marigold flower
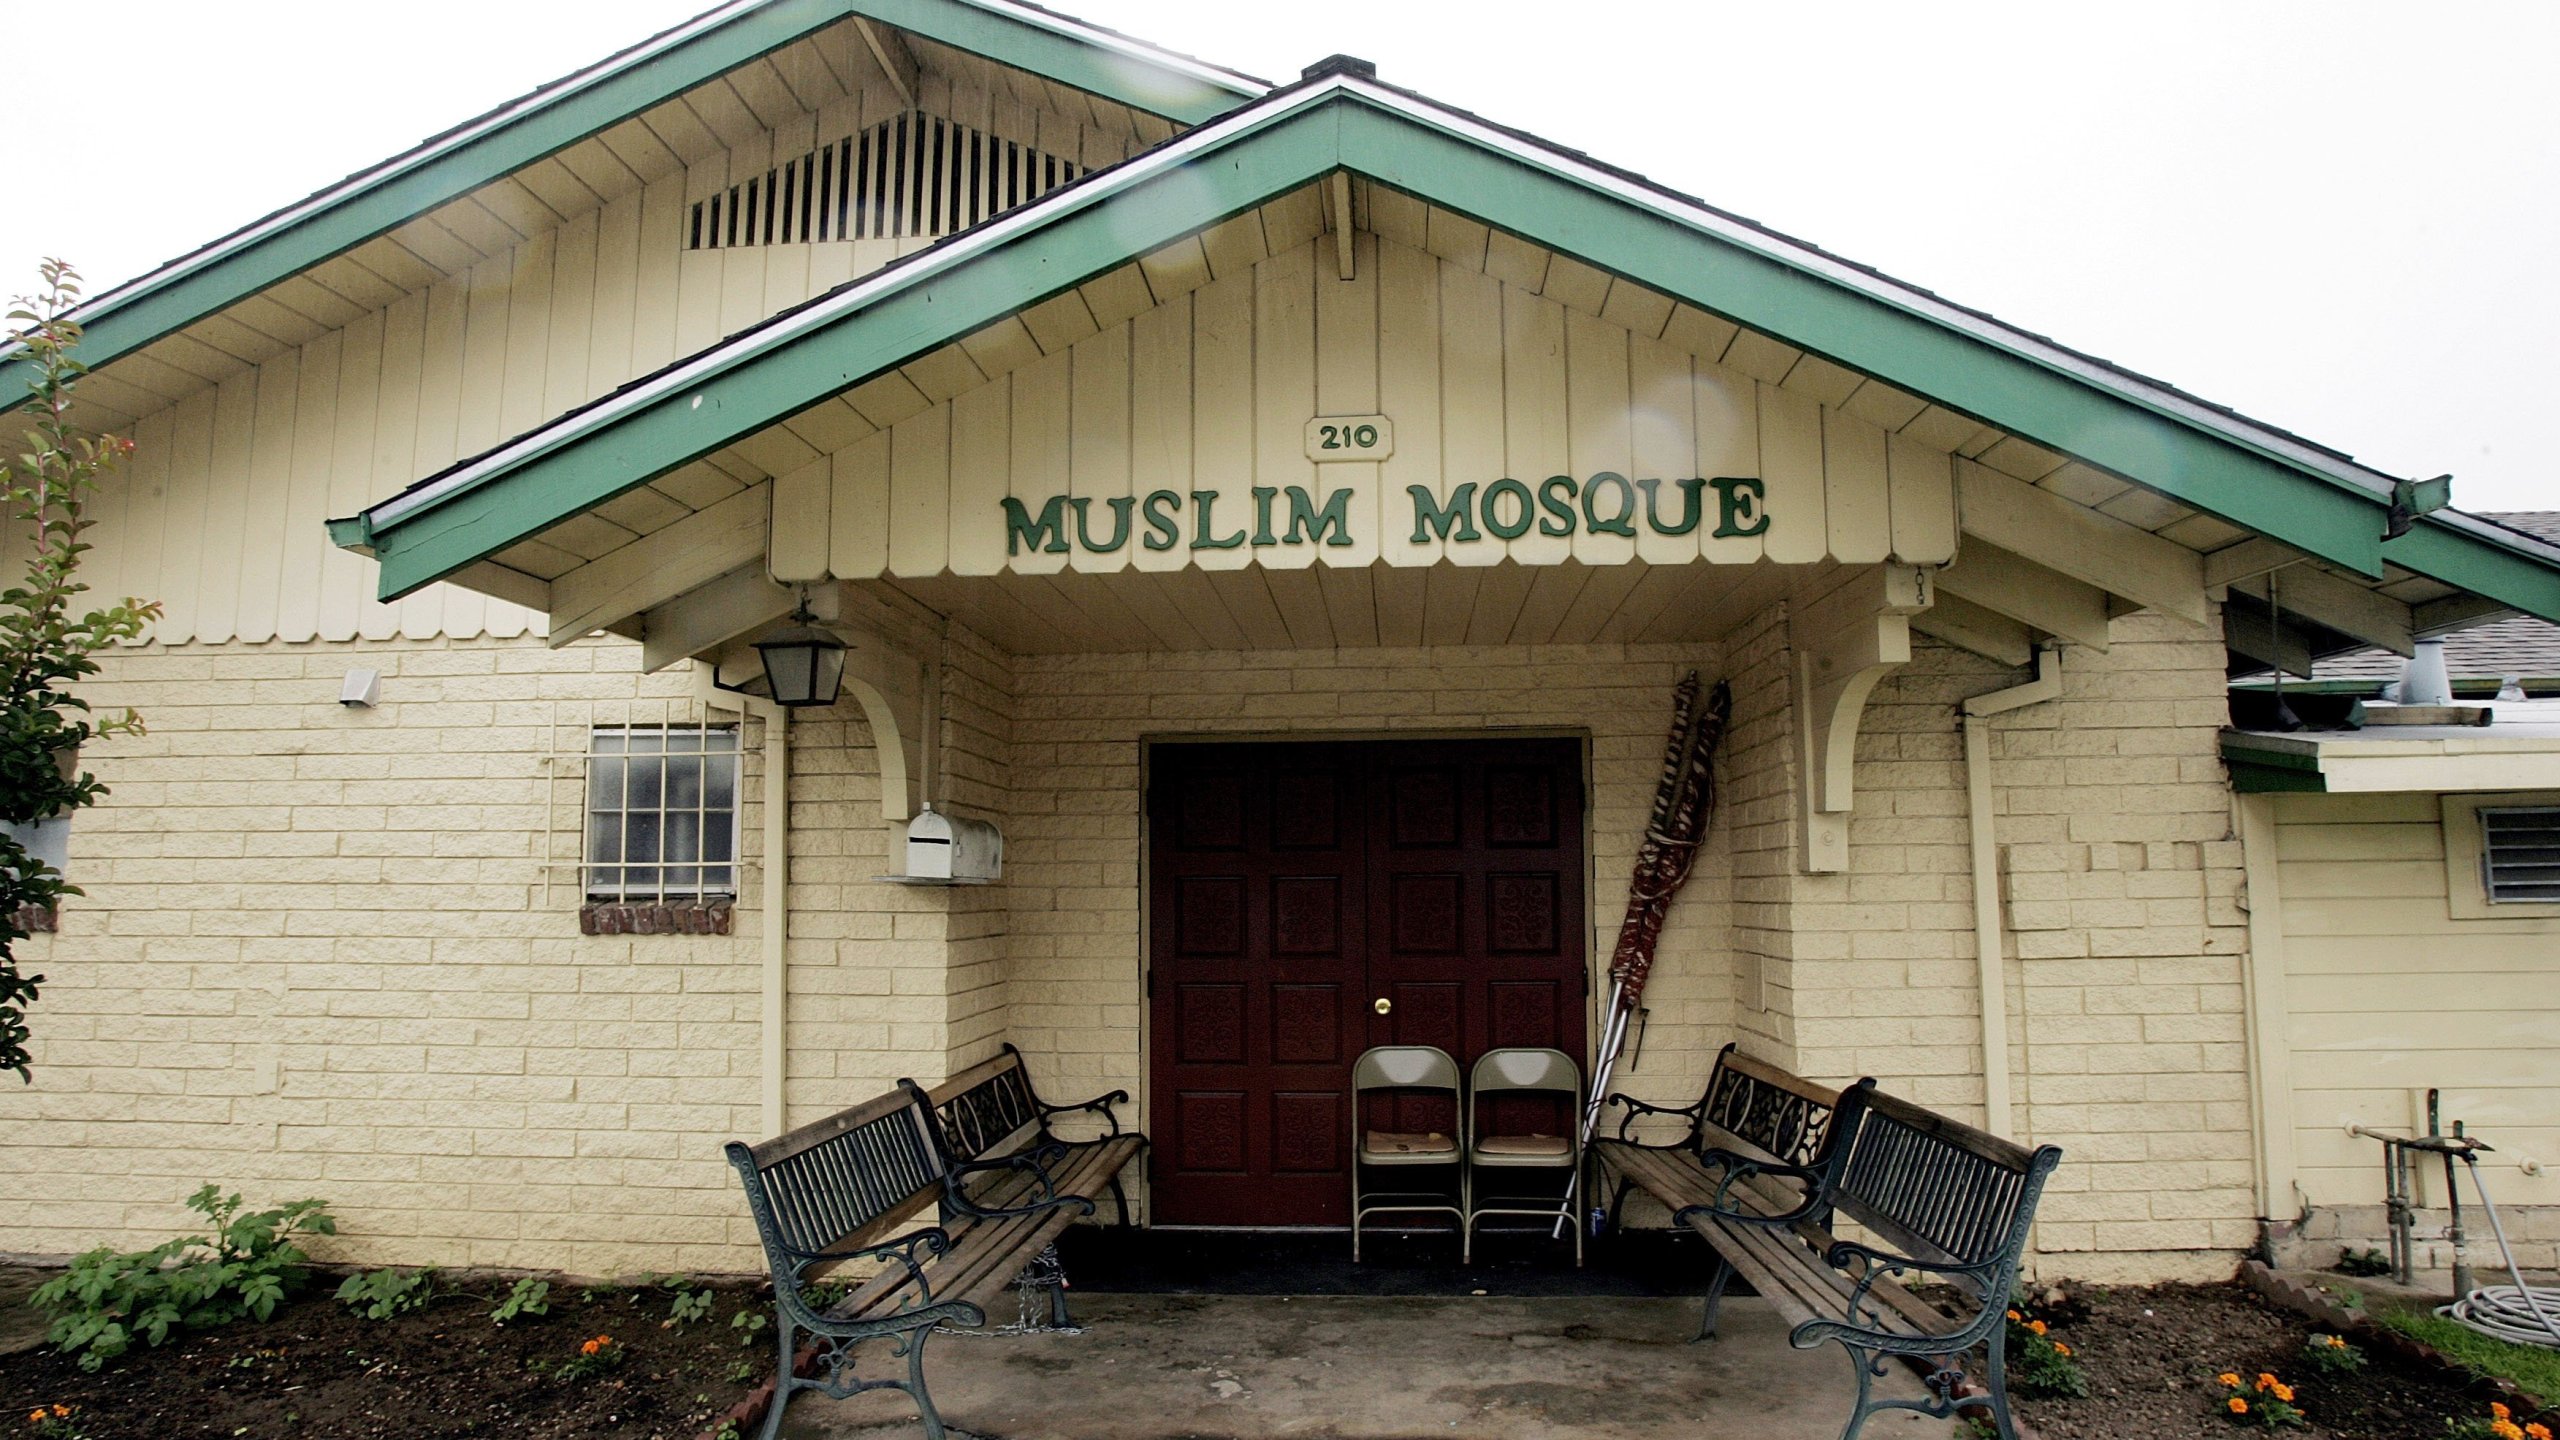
{"x": 2505, "y": 1430}
{"x": 2500, "y": 1411}
{"x": 36, "y": 1416}
{"x": 62, "y": 1411}
{"x": 2014, "y": 1315}
{"x": 2265, "y": 1380}
{"x": 590, "y": 1347}
{"x": 2537, "y": 1431}
{"x": 2036, "y": 1325}
{"x": 2283, "y": 1393}
{"x": 2238, "y": 1405}
{"x": 2061, "y": 1349}
{"x": 2228, "y": 1378}
{"x": 2337, "y": 1342}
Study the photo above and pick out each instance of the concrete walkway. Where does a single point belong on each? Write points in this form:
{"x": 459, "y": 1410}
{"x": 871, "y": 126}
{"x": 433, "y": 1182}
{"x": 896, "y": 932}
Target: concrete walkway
{"x": 1172, "y": 1367}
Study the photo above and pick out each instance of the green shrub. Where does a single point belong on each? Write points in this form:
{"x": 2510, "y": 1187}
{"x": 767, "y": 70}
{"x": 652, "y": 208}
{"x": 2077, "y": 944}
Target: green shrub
{"x": 690, "y": 1305}
{"x": 381, "y": 1294}
{"x": 529, "y": 1297}
{"x": 248, "y": 1265}
{"x": 2363, "y": 1262}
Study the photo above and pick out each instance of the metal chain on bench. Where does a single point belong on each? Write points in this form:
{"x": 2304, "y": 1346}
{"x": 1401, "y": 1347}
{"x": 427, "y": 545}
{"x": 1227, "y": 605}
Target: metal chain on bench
{"x": 1033, "y": 1297}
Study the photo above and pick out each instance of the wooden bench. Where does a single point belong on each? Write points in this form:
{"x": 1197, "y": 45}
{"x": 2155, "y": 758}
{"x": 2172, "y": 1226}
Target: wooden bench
{"x": 840, "y": 1191}
{"x": 1776, "y": 1127}
{"x": 1952, "y": 1202}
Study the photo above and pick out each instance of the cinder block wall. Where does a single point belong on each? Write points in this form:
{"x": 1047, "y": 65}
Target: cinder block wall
{"x": 1076, "y": 845}
{"x": 321, "y": 955}
{"x": 2120, "y": 884}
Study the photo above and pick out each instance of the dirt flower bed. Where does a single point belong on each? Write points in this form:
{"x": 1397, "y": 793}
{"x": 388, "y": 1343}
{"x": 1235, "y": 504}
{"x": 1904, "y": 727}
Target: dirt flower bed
{"x": 317, "y": 1369}
{"x": 2157, "y": 1359}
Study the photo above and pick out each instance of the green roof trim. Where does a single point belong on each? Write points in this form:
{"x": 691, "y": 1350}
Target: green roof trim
{"x": 2207, "y": 459}
{"x": 369, "y": 204}
{"x": 2257, "y": 771}
{"x": 2492, "y": 567}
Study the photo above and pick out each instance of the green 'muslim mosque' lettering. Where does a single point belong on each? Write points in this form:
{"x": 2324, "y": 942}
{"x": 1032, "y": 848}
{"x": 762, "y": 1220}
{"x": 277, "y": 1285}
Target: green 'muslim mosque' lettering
{"x": 1606, "y": 504}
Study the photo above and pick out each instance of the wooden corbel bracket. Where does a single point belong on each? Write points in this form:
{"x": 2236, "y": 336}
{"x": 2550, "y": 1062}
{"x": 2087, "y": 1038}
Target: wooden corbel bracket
{"x": 1845, "y": 642}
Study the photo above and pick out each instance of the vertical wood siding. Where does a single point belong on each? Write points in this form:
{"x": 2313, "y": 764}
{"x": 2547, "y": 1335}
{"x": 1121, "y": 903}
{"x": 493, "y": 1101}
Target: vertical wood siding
{"x": 1483, "y": 379}
{"x": 219, "y": 517}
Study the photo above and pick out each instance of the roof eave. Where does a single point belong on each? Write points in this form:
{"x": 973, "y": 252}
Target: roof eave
{"x": 2190, "y": 451}
{"x": 450, "y": 166}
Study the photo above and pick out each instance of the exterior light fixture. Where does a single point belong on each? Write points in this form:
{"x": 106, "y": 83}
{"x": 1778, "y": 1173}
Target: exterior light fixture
{"x": 803, "y": 665}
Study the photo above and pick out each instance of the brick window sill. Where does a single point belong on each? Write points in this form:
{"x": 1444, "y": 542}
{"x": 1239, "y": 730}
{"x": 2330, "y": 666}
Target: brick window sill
{"x": 651, "y": 917}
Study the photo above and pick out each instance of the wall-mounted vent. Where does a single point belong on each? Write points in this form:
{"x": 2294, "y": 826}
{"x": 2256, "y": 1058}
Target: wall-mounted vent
{"x": 2520, "y": 853}
{"x": 909, "y": 176}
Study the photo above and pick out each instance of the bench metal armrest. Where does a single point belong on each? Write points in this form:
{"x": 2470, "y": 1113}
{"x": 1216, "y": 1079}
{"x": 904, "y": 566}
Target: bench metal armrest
{"x": 1099, "y": 1105}
{"x": 1874, "y": 1267}
{"x": 1045, "y": 1195}
{"x": 1738, "y": 1168}
{"x": 933, "y": 1240}
{"x": 1636, "y": 1107}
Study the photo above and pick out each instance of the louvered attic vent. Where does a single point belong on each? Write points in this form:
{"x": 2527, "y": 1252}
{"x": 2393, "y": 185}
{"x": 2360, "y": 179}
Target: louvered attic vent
{"x": 2521, "y": 853}
{"x": 909, "y": 176}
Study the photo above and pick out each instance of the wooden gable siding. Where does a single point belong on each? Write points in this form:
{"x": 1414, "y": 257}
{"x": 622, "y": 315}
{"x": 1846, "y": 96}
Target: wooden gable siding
{"x": 1212, "y": 388}
{"x": 221, "y": 515}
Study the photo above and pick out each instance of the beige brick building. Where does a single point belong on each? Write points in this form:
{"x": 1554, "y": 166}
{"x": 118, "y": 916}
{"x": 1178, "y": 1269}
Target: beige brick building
{"x": 1152, "y": 431}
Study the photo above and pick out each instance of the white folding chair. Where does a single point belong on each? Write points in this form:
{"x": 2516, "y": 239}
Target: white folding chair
{"x": 1523, "y": 1071}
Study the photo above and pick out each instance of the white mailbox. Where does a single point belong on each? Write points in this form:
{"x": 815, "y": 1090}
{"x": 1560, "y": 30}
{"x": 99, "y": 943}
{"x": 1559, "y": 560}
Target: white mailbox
{"x": 946, "y": 847}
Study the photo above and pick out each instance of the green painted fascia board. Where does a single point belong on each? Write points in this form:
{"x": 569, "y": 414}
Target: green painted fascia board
{"x": 590, "y": 467}
{"x": 2256, "y": 770}
{"x": 2482, "y": 567}
{"x": 1187, "y": 98}
{"x": 2250, "y": 778}
{"x": 1869, "y": 333}
{"x": 122, "y": 323}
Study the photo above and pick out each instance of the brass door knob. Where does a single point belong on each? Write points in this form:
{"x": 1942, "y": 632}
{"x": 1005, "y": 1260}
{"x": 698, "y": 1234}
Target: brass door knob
{"x": 1382, "y": 1005}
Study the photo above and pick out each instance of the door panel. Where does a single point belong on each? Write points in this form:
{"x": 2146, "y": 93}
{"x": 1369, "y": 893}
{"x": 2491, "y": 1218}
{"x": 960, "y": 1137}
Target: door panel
{"x": 1293, "y": 885}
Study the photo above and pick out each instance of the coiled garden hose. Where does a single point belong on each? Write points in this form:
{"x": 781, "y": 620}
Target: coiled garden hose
{"x": 2519, "y": 1314}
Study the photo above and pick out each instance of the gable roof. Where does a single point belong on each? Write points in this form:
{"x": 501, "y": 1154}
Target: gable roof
{"x": 477, "y": 152}
{"x": 2202, "y": 455}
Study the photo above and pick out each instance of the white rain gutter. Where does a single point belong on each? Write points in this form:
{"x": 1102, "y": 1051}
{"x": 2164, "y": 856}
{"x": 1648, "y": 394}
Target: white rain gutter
{"x": 773, "y": 1066}
{"x": 1997, "y": 1108}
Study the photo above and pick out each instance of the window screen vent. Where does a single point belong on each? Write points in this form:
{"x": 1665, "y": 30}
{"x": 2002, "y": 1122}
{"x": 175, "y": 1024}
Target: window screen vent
{"x": 2521, "y": 853}
{"x": 909, "y": 176}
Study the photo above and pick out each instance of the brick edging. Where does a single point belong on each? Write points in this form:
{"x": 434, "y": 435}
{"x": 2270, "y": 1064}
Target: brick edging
{"x": 2312, "y": 1302}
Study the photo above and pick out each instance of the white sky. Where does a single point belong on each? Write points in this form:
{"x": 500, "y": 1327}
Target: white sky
{"x": 2338, "y": 218}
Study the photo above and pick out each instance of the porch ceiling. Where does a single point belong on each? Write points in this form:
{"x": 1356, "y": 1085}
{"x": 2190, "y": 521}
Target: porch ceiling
{"x": 1353, "y": 608}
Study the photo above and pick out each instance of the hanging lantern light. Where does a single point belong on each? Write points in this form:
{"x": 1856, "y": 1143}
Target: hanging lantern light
{"x": 803, "y": 665}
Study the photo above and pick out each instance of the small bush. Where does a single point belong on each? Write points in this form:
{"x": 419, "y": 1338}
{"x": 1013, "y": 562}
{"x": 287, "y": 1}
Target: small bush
{"x": 381, "y": 1294}
{"x": 690, "y": 1305}
{"x": 2265, "y": 1402}
{"x": 2332, "y": 1355}
{"x": 2352, "y": 1261}
{"x": 529, "y": 1297}
{"x": 243, "y": 1270}
{"x": 2041, "y": 1367}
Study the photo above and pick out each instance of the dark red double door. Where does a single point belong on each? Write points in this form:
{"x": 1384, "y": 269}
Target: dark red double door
{"x": 1310, "y": 899}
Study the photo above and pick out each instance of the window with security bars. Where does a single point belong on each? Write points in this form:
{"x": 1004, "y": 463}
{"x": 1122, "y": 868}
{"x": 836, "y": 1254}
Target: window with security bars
{"x": 2520, "y": 854}
{"x": 662, "y": 812}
